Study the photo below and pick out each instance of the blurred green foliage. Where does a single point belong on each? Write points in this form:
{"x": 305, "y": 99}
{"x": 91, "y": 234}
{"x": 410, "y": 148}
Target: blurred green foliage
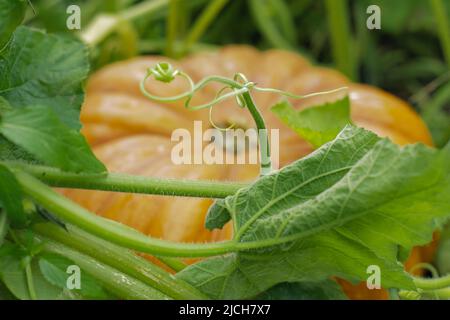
{"x": 405, "y": 57}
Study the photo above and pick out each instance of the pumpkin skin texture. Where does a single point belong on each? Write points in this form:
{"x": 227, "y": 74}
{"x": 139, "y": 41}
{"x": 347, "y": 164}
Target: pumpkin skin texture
{"x": 131, "y": 134}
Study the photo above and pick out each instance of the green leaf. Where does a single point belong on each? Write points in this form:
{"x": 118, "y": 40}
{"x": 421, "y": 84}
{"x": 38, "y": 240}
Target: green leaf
{"x": 42, "y": 69}
{"x": 40, "y": 132}
{"x": 12, "y": 274}
{"x": 54, "y": 267}
{"x": 218, "y": 215}
{"x": 11, "y": 197}
{"x": 4, "y": 293}
{"x": 4, "y": 105}
{"x": 346, "y": 206}
{"x": 12, "y": 13}
{"x": 323, "y": 290}
{"x": 318, "y": 124}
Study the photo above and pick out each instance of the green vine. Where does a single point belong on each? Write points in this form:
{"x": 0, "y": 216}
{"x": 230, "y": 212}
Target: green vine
{"x": 240, "y": 89}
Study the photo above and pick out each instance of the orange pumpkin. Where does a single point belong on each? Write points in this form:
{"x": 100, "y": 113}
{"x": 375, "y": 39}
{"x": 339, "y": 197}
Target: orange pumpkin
{"x": 131, "y": 134}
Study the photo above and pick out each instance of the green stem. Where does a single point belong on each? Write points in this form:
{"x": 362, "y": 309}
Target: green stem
{"x": 262, "y": 15}
{"x": 443, "y": 27}
{"x": 339, "y": 26}
{"x": 172, "y": 28}
{"x": 4, "y": 224}
{"x": 157, "y": 45}
{"x": 432, "y": 283}
{"x": 116, "y": 282}
{"x": 264, "y": 148}
{"x": 439, "y": 293}
{"x": 143, "y": 8}
{"x": 29, "y": 276}
{"x": 126, "y": 183}
{"x": 115, "y": 232}
{"x": 103, "y": 25}
{"x": 202, "y": 23}
{"x": 174, "y": 263}
{"x": 121, "y": 259}
{"x": 426, "y": 294}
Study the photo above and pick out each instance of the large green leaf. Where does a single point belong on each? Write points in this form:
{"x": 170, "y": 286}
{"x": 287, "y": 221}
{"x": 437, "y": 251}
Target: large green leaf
{"x": 39, "y": 131}
{"x": 43, "y": 69}
{"x": 12, "y": 13}
{"x": 347, "y": 206}
{"x": 318, "y": 124}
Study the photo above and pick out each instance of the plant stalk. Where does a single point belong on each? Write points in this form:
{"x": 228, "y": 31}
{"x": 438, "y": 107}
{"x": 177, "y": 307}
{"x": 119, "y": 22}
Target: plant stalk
{"x": 443, "y": 26}
{"x": 264, "y": 148}
{"x": 117, "y": 182}
{"x": 172, "y": 28}
{"x": 121, "y": 259}
{"x": 4, "y": 225}
{"x": 202, "y": 23}
{"x": 116, "y": 282}
{"x": 29, "y": 276}
{"x": 432, "y": 283}
{"x": 339, "y": 26}
{"x": 115, "y": 232}
{"x": 104, "y": 24}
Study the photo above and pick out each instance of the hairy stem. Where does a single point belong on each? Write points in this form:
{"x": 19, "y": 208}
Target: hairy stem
{"x": 115, "y": 232}
{"x": 135, "y": 184}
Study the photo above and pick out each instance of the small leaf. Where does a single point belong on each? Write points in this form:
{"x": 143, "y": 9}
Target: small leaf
{"x": 54, "y": 268}
{"x": 318, "y": 124}
{"x": 41, "y": 69}
{"x": 12, "y": 13}
{"x": 12, "y": 274}
{"x": 217, "y": 216}
{"x": 322, "y": 290}
{"x": 40, "y": 132}
{"x": 11, "y": 197}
